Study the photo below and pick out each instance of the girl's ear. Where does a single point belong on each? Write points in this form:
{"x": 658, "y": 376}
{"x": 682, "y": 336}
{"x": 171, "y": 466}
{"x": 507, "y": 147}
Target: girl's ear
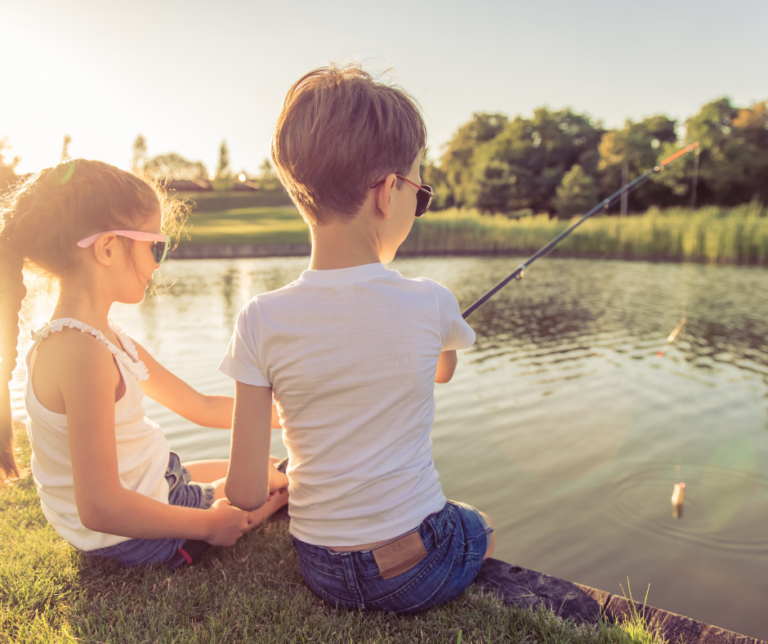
{"x": 384, "y": 195}
{"x": 105, "y": 248}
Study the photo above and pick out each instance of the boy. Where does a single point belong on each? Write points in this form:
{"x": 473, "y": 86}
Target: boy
{"x": 351, "y": 351}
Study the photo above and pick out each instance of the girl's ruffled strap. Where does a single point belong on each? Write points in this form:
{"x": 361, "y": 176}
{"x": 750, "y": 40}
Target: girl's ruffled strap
{"x": 127, "y": 343}
{"x": 128, "y": 359}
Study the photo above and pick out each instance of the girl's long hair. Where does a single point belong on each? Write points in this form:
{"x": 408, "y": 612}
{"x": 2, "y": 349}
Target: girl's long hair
{"x": 41, "y": 220}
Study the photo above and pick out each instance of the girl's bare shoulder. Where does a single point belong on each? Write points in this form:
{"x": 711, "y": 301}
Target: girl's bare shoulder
{"x": 69, "y": 351}
{"x": 67, "y": 357}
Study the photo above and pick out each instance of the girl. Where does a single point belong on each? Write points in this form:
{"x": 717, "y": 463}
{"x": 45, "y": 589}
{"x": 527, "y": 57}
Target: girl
{"x": 107, "y": 481}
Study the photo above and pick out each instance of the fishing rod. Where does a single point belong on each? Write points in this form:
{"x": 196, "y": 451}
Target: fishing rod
{"x": 603, "y": 205}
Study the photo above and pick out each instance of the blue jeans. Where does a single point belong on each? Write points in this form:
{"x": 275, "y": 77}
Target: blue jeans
{"x": 181, "y": 491}
{"x": 455, "y": 540}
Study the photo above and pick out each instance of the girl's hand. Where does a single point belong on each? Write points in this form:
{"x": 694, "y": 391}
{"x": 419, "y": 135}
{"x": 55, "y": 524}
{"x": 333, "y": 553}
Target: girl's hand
{"x": 227, "y": 523}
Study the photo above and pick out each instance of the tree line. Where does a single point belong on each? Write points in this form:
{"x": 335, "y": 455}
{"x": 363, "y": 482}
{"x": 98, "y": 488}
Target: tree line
{"x": 562, "y": 162}
{"x": 163, "y": 167}
{"x": 557, "y": 162}
{"x": 170, "y": 166}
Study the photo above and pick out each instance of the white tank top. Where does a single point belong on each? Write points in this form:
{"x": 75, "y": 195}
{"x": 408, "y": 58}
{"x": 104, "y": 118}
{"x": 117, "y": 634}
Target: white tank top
{"x": 142, "y": 451}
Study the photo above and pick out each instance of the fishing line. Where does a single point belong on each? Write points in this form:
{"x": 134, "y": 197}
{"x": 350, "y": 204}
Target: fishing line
{"x": 679, "y": 331}
{"x": 519, "y": 272}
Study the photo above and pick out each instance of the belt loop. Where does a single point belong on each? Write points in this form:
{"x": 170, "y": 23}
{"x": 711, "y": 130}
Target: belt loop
{"x": 347, "y": 560}
{"x": 434, "y": 523}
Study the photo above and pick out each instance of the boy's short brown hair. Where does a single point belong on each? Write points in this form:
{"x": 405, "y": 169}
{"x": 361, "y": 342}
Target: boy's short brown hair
{"x": 339, "y": 132}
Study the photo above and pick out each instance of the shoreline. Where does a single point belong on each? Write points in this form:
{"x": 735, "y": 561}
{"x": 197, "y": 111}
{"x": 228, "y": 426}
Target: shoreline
{"x": 53, "y": 593}
{"x": 97, "y": 600}
{"x": 249, "y": 251}
{"x": 531, "y": 589}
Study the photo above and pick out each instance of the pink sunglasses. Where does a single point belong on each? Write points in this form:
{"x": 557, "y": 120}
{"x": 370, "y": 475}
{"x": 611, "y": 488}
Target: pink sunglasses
{"x": 159, "y": 247}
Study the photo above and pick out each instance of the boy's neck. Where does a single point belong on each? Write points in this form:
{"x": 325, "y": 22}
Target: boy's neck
{"x": 343, "y": 244}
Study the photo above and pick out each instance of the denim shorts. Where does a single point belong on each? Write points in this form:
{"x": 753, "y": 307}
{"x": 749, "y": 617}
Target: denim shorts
{"x": 181, "y": 491}
{"x": 455, "y": 539}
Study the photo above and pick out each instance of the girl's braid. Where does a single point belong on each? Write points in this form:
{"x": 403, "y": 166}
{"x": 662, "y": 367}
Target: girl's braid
{"x": 12, "y": 292}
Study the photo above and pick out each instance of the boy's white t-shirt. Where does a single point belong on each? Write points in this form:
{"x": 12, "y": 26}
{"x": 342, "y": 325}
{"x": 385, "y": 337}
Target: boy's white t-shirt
{"x": 351, "y": 356}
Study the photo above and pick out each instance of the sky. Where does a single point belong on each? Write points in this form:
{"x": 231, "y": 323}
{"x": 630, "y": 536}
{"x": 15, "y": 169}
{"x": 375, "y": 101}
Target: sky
{"x": 187, "y": 75}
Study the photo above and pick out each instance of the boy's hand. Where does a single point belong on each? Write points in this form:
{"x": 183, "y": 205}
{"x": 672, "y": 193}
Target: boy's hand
{"x": 227, "y": 523}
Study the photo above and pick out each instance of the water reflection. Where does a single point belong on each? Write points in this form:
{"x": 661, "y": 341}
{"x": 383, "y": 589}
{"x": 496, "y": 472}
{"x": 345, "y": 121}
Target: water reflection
{"x": 561, "y": 422}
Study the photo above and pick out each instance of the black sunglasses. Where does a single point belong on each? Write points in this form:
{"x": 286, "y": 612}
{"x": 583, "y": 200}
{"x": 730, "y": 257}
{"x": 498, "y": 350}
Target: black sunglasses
{"x": 423, "y": 196}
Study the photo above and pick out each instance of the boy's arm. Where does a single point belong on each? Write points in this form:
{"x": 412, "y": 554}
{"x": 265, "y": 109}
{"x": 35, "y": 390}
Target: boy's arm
{"x": 247, "y": 485}
{"x": 446, "y": 365}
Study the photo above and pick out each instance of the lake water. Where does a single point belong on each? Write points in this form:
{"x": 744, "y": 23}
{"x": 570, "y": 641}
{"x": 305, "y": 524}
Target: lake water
{"x": 561, "y": 422}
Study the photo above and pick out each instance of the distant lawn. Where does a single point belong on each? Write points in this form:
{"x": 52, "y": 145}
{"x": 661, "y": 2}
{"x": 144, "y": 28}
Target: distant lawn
{"x": 215, "y": 201}
{"x": 265, "y": 225}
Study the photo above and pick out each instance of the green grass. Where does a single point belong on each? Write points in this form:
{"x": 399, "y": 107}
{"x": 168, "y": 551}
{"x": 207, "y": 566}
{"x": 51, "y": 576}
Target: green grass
{"x": 272, "y": 225}
{"x": 213, "y": 201}
{"x": 252, "y": 592}
{"x": 736, "y": 235}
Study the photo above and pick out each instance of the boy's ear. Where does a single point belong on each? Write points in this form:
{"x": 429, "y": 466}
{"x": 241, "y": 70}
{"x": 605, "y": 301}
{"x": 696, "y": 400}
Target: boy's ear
{"x": 384, "y": 195}
{"x": 104, "y": 249}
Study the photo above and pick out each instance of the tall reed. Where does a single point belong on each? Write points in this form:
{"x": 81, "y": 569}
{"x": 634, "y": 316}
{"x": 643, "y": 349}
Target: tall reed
{"x": 718, "y": 235}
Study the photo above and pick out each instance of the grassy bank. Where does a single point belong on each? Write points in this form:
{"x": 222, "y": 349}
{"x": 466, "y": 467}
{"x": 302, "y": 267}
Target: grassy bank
{"x": 737, "y": 235}
{"x": 252, "y": 592}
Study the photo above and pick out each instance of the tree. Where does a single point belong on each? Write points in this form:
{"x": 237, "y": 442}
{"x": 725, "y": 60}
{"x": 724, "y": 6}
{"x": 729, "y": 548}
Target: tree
{"x": 576, "y": 193}
{"x": 65, "y": 148}
{"x": 433, "y": 175}
{"x": 638, "y": 145}
{"x": 458, "y": 154}
{"x": 267, "y": 177}
{"x": 222, "y": 169}
{"x": 733, "y": 163}
{"x": 139, "y": 157}
{"x": 174, "y": 166}
{"x": 523, "y": 165}
{"x": 7, "y": 168}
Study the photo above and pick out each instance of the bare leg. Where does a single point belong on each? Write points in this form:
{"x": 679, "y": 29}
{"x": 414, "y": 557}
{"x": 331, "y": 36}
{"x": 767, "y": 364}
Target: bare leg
{"x": 215, "y": 472}
{"x": 207, "y": 471}
{"x": 492, "y": 544}
{"x": 276, "y": 501}
{"x": 277, "y": 480}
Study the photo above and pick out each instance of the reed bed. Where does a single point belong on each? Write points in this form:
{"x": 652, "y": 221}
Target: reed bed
{"x": 715, "y": 235}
